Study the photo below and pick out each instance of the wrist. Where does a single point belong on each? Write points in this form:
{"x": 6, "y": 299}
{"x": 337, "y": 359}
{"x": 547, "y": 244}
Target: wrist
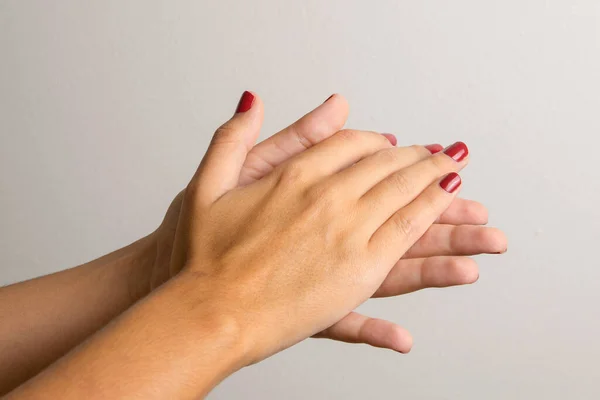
{"x": 139, "y": 261}
{"x": 215, "y": 338}
{"x": 246, "y": 330}
{"x": 213, "y": 313}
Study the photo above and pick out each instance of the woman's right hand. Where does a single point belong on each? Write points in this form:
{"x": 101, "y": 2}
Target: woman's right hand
{"x": 290, "y": 255}
{"x": 438, "y": 259}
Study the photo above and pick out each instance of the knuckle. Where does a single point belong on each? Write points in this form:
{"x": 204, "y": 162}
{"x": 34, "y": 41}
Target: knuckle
{"x": 381, "y": 140}
{"x": 349, "y": 134}
{"x": 293, "y": 173}
{"x": 420, "y": 151}
{"x": 399, "y": 155}
{"x": 441, "y": 164}
{"x": 430, "y": 201}
{"x": 224, "y": 134}
{"x": 311, "y": 131}
{"x": 404, "y": 226}
{"x": 364, "y": 136}
{"x": 301, "y": 136}
{"x": 323, "y": 198}
{"x": 401, "y": 183}
{"x": 390, "y": 156}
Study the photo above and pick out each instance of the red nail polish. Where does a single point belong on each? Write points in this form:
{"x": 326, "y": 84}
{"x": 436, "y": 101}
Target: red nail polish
{"x": 434, "y": 148}
{"x": 245, "y": 102}
{"x": 451, "y": 182}
{"x": 329, "y": 98}
{"x": 391, "y": 138}
{"x": 458, "y": 151}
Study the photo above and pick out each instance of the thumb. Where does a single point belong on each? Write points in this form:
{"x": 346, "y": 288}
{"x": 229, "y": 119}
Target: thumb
{"x": 220, "y": 168}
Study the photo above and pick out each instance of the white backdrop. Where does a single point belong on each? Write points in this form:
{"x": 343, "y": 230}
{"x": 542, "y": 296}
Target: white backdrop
{"x": 106, "y": 108}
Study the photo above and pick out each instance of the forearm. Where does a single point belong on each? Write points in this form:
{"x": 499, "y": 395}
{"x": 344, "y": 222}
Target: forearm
{"x": 44, "y": 318}
{"x": 171, "y": 345}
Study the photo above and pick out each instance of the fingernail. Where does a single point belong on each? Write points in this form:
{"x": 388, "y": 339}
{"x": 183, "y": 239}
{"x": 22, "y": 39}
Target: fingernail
{"x": 451, "y": 182}
{"x": 245, "y": 103}
{"x": 329, "y": 98}
{"x": 391, "y": 138}
{"x": 434, "y": 148}
{"x": 458, "y": 151}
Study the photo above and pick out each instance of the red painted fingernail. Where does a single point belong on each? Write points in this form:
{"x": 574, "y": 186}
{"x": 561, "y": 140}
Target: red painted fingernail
{"x": 245, "y": 102}
{"x": 434, "y": 148}
{"x": 329, "y": 98}
{"x": 391, "y": 138}
{"x": 451, "y": 182}
{"x": 458, "y": 151}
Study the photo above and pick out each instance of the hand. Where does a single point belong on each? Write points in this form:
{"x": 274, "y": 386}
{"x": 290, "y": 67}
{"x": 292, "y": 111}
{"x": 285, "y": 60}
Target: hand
{"x": 272, "y": 262}
{"x": 295, "y": 252}
{"x": 436, "y": 260}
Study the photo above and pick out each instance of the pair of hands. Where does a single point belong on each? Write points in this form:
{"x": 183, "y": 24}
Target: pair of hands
{"x": 312, "y": 222}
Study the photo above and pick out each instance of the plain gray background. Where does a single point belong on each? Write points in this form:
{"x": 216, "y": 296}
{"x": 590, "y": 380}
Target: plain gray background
{"x": 106, "y": 108}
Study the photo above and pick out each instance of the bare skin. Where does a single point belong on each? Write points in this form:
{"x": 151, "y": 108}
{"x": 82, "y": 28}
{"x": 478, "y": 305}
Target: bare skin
{"x": 131, "y": 273}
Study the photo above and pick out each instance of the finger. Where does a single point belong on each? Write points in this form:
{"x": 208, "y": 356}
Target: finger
{"x": 403, "y": 186}
{"x": 366, "y": 173}
{"x": 313, "y": 128}
{"x": 407, "y": 225}
{"x": 421, "y": 273}
{"x": 343, "y": 149}
{"x": 358, "y": 328}
{"x": 464, "y": 212}
{"x": 220, "y": 169}
{"x": 461, "y": 240}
